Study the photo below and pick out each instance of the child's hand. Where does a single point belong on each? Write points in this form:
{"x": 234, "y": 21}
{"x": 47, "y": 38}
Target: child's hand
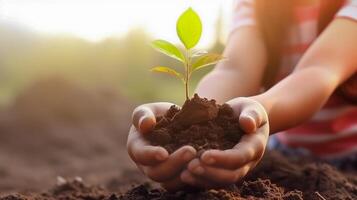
{"x": 217, "y": 168}
{"x": 154, "y": 161}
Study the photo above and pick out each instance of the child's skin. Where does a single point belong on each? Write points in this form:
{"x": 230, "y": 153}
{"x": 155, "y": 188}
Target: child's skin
{"x": 330, "y": 61}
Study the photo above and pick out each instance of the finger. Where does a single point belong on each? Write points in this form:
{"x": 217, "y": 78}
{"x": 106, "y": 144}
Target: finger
{"x": 144, "y": 116}
{"x": 247, "y": 124}
{"x": 190, "y": 179}
{"x": 195, "y": 167}
{"x": 243, "y": 171}
{"x": 251, "y": 113}
{"x": 223, "y": 176}
{"x": 143, "y": 153}
{"x": 251, "y": 118}
{"x": 172, "y": 166}
{"x": 219, "y": 175}
{"x": 251, "y": 147}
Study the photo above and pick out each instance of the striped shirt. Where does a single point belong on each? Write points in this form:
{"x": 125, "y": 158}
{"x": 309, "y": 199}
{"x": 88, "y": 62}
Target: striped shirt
{"x": 331, "y": 132}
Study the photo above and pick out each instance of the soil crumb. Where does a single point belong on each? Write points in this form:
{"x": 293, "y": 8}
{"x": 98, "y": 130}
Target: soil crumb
{"x": 200, "y": 123}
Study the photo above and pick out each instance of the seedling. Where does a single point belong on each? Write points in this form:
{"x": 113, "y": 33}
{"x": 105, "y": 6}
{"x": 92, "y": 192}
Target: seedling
{"x": 189, "y": 30}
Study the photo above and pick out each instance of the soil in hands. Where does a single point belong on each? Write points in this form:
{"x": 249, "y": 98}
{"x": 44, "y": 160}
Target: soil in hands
{"x": 200, "y": 123}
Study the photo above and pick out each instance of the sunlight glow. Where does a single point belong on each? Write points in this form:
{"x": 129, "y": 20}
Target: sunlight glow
{"x": 97, "y": 19}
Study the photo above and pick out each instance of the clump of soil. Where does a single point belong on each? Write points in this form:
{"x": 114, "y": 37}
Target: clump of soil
{"x": 200, "y": 123}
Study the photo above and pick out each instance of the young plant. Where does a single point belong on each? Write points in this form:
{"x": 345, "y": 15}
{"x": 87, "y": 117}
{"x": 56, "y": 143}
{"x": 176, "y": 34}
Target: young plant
{"x": 189, "y": 30}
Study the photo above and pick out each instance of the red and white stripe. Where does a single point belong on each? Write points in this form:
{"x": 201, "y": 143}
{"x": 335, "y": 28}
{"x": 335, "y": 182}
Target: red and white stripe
{"x": 332, "y": 131}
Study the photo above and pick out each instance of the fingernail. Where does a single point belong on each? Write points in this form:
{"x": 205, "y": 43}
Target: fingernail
{"x": 248, "y": 117}
{"x": 141, "y": 120}
{"x": 199, "y": 170}
{"x": 187, "y": 156}
{"x": 146, "y": 123}
{"x": 251, "y": 119}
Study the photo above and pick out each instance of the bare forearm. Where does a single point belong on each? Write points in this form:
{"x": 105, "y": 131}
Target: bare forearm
{"x": 296, "y": 98}
{"x": 241, "y": 74}
{"x": 326, "y": 65}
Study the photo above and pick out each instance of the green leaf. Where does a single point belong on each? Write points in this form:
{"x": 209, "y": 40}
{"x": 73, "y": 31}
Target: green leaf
{"x": 169, "y": 49}
{"x": 167, "y": 70}
{"x": 206, "y": 60}
{"x": 189, "y": 28}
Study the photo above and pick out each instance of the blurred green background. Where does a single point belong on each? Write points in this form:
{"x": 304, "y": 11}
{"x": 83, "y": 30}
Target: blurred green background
{"x": 121, "y": 62}
{"x": 72, "y": 71}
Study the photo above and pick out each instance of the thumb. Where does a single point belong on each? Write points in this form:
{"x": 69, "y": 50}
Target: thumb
{"x": 143, "y": 119}
{"x": 250, "y": 119}
{"x": 247, "y": 123}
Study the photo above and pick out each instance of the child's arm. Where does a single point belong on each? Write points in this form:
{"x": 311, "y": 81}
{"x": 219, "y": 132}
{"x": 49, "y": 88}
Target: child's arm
{"x": 329, "y": 62}
{"x": 242, "y": 73}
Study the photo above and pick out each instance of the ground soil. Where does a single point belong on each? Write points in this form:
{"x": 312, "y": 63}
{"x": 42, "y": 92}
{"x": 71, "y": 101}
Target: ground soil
{"x": 279, "y": 179}
{"x": 56, "y": 129}
{"x": 200, "y": 123}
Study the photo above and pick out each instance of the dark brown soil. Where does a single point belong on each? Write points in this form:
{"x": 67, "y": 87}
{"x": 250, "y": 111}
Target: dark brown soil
{"x": 307, "y": 175}
{"x": 78, "y": 190}
{"x": 259, "y": 189}
{"x": 200, "y": 123}
{"x": 279, "y": 179}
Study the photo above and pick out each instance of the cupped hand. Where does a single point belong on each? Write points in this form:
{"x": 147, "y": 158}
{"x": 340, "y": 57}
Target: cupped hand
{"x": 154, "y": 161}
{"x": 216, "y": 168}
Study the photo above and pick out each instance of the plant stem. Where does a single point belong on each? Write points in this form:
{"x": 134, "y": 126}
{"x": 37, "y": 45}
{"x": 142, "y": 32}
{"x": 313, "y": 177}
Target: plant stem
{"x": 186, "y": 88}
{"x": 187, "y": 73}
